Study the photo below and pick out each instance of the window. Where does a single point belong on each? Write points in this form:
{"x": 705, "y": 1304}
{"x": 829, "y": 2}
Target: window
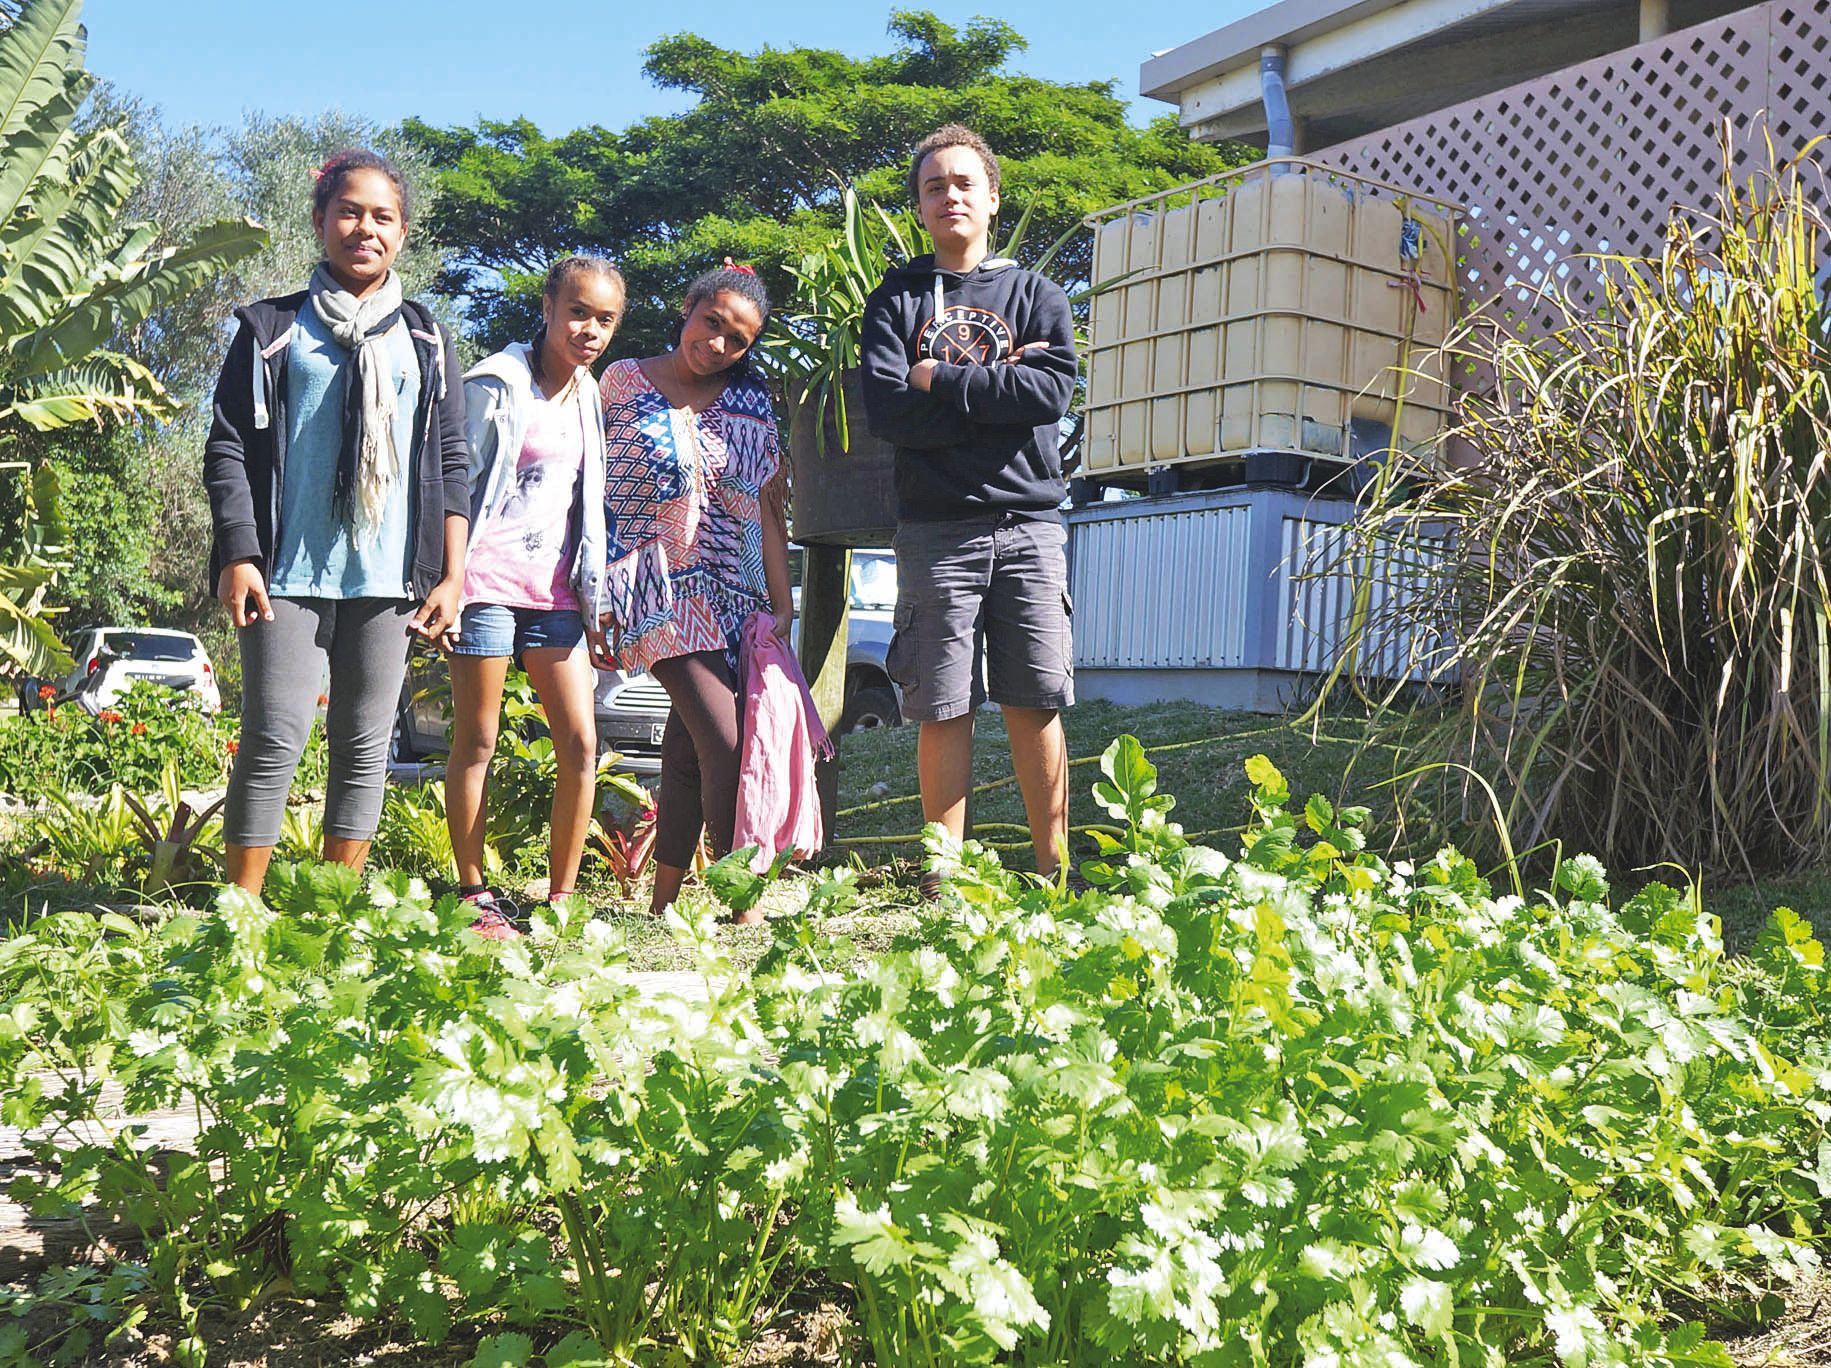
{"x": 149, "y": 646}
{"x": 873, "y": 581}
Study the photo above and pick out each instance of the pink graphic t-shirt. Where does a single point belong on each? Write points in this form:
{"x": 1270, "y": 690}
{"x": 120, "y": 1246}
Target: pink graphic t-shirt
{"x": 521, "y": 556}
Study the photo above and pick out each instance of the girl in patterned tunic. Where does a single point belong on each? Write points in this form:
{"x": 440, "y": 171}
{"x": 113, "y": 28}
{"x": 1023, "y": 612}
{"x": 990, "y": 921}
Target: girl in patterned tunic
{"x": 698, "y": 542}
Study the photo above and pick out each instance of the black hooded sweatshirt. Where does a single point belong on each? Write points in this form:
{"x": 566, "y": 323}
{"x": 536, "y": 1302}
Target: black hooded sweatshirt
{"x": 983, "y": 439}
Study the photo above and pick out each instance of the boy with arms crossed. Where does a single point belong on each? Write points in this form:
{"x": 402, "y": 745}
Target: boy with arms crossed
{"x": 969, "y": 365}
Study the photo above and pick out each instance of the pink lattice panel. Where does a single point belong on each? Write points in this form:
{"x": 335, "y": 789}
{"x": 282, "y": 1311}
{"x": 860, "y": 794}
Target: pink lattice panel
{"x": 1593, "y": 158}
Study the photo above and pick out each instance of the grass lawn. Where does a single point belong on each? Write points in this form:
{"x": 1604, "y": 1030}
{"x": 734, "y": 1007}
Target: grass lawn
{"x": 1198, "y": 752}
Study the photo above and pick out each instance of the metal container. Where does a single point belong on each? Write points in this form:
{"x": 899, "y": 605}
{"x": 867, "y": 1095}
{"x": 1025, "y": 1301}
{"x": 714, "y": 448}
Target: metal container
{"x": 841, "y": 498}
{"x": 1265, "y": 311}
{"x": 1246, "y": 602}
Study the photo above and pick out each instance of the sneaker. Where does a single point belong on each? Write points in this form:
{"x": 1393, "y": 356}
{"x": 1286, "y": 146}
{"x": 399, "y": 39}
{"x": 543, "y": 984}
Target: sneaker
{"x": 495, "y": 916}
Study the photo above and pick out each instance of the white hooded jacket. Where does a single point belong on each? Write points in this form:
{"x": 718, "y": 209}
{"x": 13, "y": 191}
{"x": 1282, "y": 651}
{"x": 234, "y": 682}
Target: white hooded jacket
{"x": 497, "y": 392}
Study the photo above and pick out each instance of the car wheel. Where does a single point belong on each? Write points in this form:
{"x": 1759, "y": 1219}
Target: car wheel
{"x": 870, "y": 708}
{"x": 400, "y": 746}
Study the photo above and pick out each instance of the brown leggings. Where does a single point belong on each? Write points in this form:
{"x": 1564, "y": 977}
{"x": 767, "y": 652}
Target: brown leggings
{"x": 699, "y": 757}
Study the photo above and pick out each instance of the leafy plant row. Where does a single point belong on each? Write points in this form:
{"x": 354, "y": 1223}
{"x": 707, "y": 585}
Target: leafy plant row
{"x": 1295, "y": 1106}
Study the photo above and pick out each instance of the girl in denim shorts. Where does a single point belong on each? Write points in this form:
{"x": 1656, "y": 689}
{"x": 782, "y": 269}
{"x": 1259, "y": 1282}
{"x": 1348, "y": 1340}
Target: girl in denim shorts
{"x": 535, "y": 573}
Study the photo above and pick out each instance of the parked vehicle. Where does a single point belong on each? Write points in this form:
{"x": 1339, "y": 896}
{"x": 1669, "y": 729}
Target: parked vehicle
{"x": 632, "y": 709}
{"x": 871, "y": 699}
{"x": 632, "y": 712}
{"x": 110, "y": 660}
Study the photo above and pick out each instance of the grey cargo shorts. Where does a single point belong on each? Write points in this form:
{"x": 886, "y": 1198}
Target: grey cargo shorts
{"x": 991, "y": 589}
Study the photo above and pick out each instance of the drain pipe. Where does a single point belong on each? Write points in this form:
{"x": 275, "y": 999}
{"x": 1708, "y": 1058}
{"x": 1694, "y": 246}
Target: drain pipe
{"x": 1280, "y": 131}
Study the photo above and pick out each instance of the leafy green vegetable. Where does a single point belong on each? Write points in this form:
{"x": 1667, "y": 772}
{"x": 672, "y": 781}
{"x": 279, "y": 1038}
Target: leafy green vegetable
{"x": 1303, "y": 1105}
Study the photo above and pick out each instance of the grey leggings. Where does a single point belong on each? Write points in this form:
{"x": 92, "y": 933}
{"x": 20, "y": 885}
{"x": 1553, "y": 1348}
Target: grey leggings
{"x": 283, "y": 662}
{"x": 699, "y": 757}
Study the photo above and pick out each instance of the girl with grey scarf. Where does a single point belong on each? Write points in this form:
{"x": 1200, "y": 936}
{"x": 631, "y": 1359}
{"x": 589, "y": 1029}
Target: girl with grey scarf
{"x": 338, "y": 475}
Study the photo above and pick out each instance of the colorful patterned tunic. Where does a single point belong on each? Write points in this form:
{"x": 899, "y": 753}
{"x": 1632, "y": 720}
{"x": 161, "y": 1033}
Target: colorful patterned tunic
{"x": 683, "y": 515}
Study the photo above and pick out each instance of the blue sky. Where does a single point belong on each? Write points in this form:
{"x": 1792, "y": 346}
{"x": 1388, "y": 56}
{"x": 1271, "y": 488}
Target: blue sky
{"x": 451, "y": 61}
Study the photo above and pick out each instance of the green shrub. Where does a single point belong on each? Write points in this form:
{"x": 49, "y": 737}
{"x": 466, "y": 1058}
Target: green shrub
{"x": 129, "y": 744}
{"x": 412, "y": 835}
{"x": 154, "y": 844}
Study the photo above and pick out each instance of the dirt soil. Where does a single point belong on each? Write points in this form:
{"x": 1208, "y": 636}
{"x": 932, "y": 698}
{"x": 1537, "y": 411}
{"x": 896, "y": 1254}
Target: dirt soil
{"x": 1800, "y": 1339}
{"x": 304, "y": 1334}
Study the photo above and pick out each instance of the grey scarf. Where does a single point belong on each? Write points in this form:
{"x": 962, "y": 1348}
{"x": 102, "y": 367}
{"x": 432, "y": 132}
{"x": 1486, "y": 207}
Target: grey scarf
{"x": 367, "y": 464}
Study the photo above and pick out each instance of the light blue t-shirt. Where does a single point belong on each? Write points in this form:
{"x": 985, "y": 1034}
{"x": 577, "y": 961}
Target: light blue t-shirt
{"x": 316, "y": 553}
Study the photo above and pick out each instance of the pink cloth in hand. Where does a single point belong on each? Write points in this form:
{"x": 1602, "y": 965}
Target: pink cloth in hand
{"x": 778, "y": 805}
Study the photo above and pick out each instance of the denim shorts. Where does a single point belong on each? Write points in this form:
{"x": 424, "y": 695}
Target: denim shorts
{"x": 489, "y": 629}
{"x": 991, "y": 590}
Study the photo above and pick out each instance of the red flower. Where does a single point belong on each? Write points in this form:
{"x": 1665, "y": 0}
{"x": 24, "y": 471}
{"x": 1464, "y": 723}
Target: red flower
{"x": 323, "y": 699}
{"x": 46, "y": 692}
{"x": 138, "y": 729}
{"x": 233, "y": 747}
{"x": 108, "y": 715}
{"x": 50, "y": 714}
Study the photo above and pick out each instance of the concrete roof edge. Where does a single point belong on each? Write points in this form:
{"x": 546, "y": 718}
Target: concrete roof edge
{"x": 1291, "y": 24}
{"x": 1287, "y": 21}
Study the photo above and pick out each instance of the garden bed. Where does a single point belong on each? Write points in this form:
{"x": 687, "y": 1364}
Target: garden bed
{"x": 1299, "y": 1096}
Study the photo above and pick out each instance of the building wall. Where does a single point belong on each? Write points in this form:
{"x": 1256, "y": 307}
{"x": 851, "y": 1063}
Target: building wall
{"x": 1593, "y": 158}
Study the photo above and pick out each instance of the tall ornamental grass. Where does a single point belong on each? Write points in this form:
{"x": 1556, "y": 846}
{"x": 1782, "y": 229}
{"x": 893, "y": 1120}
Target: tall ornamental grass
{"x": 1628, "y": 593}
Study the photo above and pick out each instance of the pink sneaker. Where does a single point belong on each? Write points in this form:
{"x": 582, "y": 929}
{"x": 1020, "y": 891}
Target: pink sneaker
{"x": 493, "y": 921}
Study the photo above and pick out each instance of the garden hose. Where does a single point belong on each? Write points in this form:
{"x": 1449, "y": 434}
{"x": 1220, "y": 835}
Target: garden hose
{"x": 1010, "y": 779}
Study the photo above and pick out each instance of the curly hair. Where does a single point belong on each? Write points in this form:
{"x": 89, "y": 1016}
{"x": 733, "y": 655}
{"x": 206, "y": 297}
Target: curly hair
{"x": 950, "y": 135}
{"x": 737, "y": 280}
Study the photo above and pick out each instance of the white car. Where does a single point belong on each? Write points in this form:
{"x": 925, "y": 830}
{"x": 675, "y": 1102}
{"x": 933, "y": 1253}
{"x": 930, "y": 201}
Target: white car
{"x": 871, "y": 700}
{"x": 110, "y": 660}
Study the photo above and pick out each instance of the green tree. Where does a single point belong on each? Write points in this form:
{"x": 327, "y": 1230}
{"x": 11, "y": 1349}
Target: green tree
{"x": 756, "y": 167}
{"x": 78, "y": 273}
{"x": 114, "y": 530}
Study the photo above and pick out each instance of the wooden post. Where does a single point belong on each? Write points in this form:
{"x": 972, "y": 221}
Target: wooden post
{"x": 1655, "y": 19}
{"x": 826, "y": 581}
